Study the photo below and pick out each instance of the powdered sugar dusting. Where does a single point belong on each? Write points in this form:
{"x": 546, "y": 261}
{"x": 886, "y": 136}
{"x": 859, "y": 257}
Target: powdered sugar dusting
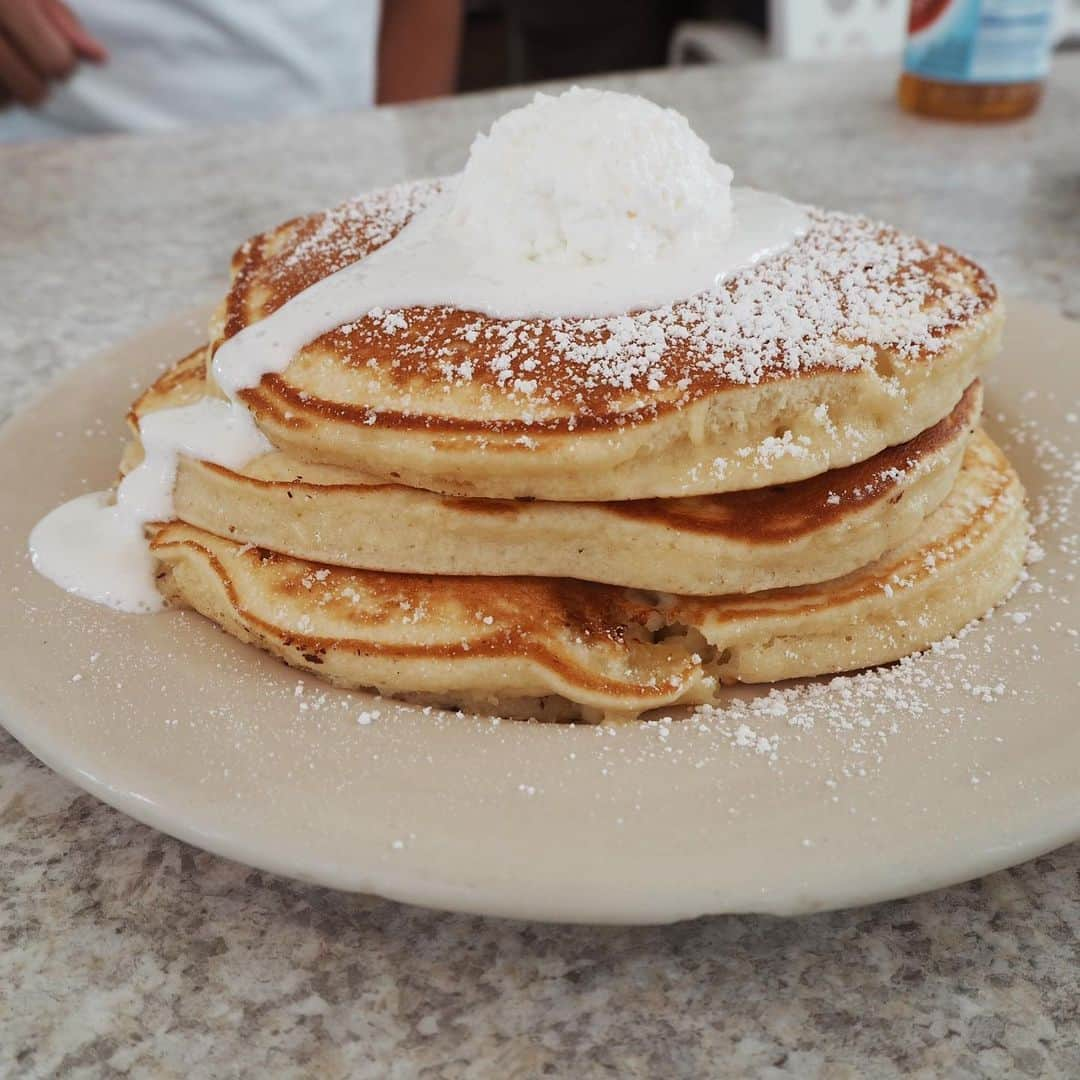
{"x": 326, "y": 242}
{"x": 847, "y": 289}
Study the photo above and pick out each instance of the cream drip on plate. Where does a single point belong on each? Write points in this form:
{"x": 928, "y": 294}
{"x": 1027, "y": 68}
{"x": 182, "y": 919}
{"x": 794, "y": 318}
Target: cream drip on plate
{"x": 97, "y": 548}
{"x": 592, "y": 203}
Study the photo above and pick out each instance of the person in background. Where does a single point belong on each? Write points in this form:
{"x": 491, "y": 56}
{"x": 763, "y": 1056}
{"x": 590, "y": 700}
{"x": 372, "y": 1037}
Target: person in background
{"x": 153, "y": 65}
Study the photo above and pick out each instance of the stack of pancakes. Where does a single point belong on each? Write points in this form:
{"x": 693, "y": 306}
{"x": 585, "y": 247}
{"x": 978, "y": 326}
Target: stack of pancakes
{"x": 585, "y": 518}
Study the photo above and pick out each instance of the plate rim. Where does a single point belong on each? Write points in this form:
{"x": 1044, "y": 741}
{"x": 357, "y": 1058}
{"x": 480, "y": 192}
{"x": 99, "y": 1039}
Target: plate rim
{"x": 44, "y": 744}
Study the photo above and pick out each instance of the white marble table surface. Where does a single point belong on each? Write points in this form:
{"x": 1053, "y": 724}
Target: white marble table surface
{"x": 124, "y": 952}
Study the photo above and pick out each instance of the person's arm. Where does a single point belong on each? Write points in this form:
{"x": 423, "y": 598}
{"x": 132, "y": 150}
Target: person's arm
{"x": 419, "y": 44}
{"x": 40, "y": 41}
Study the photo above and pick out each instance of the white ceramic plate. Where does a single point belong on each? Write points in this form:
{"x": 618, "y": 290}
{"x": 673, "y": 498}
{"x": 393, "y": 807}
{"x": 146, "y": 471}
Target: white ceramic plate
{"x": 958, "y": 763}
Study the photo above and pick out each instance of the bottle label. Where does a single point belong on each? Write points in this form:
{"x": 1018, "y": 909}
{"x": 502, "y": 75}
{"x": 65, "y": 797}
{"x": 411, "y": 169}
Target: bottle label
{"x": 979, "y": 41}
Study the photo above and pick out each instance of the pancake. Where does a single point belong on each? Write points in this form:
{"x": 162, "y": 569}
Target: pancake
{"x": 856, "y": 338}
{"x": 554, "y": 647}
{"x": 814, "y": 530}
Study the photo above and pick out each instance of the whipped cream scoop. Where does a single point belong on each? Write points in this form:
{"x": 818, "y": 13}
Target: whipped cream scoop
{"x": 592, "y": 176}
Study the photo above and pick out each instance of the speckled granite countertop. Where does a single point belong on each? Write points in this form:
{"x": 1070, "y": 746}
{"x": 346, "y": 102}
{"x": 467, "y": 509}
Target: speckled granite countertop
{"x": 126, "y": 952}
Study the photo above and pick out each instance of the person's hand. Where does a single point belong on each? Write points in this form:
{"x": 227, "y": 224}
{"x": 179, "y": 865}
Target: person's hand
{"x": 40, "y": 41}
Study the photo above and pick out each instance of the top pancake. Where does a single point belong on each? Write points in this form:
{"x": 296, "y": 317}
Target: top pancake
{"x": 855, "y": 338}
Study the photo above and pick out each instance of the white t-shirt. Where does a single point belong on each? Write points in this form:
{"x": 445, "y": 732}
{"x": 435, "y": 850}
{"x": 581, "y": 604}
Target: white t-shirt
{"x": 175, "y": 63}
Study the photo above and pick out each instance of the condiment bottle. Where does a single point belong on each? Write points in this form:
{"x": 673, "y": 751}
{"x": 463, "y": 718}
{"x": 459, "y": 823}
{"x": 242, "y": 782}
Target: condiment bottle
{"x": 976, "y": 59}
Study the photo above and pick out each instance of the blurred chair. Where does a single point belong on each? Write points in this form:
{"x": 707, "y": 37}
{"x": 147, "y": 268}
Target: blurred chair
{"x": 1067, "y": 25}
{"x": 820, "y": 29}
{"x": 719, "y": 42}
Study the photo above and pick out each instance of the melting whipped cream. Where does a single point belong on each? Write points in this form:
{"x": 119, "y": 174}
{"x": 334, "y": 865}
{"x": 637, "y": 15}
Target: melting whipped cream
{"x": 96, "y": 548}
{"x": 588, "y": 204}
